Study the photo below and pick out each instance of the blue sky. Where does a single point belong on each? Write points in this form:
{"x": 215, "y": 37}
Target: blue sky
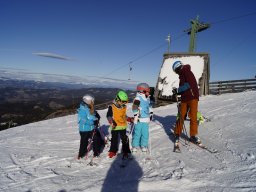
{"x": 102, "y": 38}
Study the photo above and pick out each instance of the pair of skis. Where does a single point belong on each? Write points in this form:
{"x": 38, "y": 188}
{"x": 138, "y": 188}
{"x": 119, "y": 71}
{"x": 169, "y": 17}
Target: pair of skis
{"x": 92, "y": 161}
{"x": 178, "y": 150}
{"x": 124, "y": 161}
{"x": 181, "y": 119}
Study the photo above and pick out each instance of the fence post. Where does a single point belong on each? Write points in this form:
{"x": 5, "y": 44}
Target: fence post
{"x": 232, "y": 86}
{"x": 219, "y": 86}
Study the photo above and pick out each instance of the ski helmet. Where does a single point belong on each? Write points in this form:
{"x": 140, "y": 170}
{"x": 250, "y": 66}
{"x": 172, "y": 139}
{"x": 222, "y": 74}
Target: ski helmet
{"x": 88, "y": 99}
{"x": 176, "y": 65}
{"x": 122, "y": 96}
{"x": 141, "y": 87}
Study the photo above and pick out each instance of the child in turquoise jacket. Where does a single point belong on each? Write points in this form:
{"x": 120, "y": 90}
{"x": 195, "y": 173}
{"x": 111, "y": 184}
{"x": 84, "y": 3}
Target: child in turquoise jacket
{"x": 88, "y": 120}
{"x": 143, "y": 114}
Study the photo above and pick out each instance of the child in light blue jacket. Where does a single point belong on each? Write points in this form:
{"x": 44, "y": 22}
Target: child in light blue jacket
{"x": 143, "y": 113}
{"x": 88, "y": 120}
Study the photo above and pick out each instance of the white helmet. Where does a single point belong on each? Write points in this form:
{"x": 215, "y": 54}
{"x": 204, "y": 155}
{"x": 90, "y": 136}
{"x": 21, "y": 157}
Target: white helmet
{"x": 88, "y": 99}
{"x": 176, "y": 65}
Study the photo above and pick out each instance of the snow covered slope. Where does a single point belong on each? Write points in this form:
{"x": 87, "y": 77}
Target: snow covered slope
{"x": 40, "y": 156}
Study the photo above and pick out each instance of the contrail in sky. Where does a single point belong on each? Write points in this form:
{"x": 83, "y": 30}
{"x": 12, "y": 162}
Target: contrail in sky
{"x": 51, "y": 55}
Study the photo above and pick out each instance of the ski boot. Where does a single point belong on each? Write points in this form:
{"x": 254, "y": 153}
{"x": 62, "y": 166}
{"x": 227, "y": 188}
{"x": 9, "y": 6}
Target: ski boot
{"x": 134, "y": 150}
{"x": 111, "y": 154}
{"x": 196, "y": 140}
{"x": 176, "y": 144}
{"x": 144, "y": 149}
{"x": 127, "y": 156}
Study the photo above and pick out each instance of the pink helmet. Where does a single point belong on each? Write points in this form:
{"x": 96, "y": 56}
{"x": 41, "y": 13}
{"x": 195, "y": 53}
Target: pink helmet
{"x": 143, "y": 87}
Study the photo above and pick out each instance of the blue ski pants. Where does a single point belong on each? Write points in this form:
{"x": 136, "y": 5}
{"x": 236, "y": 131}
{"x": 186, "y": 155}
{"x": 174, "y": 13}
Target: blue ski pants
{"x": 140, "y": 135}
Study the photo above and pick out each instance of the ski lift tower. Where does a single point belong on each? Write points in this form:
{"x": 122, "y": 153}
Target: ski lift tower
{"x": 196, "y": 27}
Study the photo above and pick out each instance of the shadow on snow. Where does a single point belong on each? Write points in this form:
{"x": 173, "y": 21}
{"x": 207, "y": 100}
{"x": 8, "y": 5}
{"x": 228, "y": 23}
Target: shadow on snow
{"x": 123, "y": 179}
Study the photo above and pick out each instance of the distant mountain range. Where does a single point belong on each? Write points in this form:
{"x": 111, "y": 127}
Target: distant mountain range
{"x": 25, "y": 105}
{"x": 30, "y": 97}
{"x": 19, "y": 78}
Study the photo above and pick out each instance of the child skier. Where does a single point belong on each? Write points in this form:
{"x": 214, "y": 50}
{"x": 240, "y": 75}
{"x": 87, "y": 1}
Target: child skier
{"x": 116, "y": 116}
{"x": 88, "y": 120}
{"x": 143, "y": 114}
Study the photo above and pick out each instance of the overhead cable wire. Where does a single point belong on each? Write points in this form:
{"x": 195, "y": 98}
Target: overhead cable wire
{"x": 180, "y": 36}
{"x": 233, "y": 18}
{"x": 136, "y": 59}
{"x": 142, "y": 56}
{"x": 237, "y": 46}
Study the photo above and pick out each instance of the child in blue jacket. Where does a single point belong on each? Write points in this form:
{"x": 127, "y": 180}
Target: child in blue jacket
{"x": 143, "y": 113}
{"x": 88, "y": 120}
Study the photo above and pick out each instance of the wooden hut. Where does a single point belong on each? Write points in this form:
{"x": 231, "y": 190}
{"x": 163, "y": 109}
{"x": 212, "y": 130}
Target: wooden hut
{"x": 167, "y": 79}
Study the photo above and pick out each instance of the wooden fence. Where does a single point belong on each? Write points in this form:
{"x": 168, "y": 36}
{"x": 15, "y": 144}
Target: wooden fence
{"x": 220, "y": 87}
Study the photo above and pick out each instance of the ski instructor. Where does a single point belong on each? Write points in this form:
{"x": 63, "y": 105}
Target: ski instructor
{"x": 188, "y": 89}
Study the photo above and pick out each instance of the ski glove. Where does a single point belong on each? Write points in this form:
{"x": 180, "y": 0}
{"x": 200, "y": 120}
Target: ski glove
{"x": 174, "y": 91}
{"x": 151, "y": 116}
{"x": 96, "y": 123}
{"x": 135, "y": 121}
{"x": 130, "y": 119}
{"x": 112, "y": 123}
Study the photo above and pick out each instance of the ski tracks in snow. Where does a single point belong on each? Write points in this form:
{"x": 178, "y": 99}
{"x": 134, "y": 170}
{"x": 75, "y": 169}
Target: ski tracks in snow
{"x": 41, "y": 156}
{"x": 26, "y": 170}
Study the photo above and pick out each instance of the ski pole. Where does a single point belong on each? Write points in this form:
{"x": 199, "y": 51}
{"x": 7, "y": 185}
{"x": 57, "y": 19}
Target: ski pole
{"x": 181, "y": 118}
{"x": 102, "y": 134}
{"x": 130, "y": 134}
{"x": 132, "y": 128}
{"x": 149, "y": 134}
{"x": 90, "y": 143}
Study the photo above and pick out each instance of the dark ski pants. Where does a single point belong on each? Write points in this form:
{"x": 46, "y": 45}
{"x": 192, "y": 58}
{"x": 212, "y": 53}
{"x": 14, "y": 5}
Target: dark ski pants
{"x": 84, "y": 143}
{"x": 114, "y": 141}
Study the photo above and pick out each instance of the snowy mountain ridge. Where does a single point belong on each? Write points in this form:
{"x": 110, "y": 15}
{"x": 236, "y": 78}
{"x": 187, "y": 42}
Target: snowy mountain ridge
{"x": 41, "y": 156}
{"x": 87, "y": 81}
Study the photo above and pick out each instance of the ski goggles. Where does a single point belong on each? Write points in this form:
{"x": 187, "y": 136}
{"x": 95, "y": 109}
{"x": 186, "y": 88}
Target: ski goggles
{"x": 146, "y": 93}
{"x": 123, "y": 102}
